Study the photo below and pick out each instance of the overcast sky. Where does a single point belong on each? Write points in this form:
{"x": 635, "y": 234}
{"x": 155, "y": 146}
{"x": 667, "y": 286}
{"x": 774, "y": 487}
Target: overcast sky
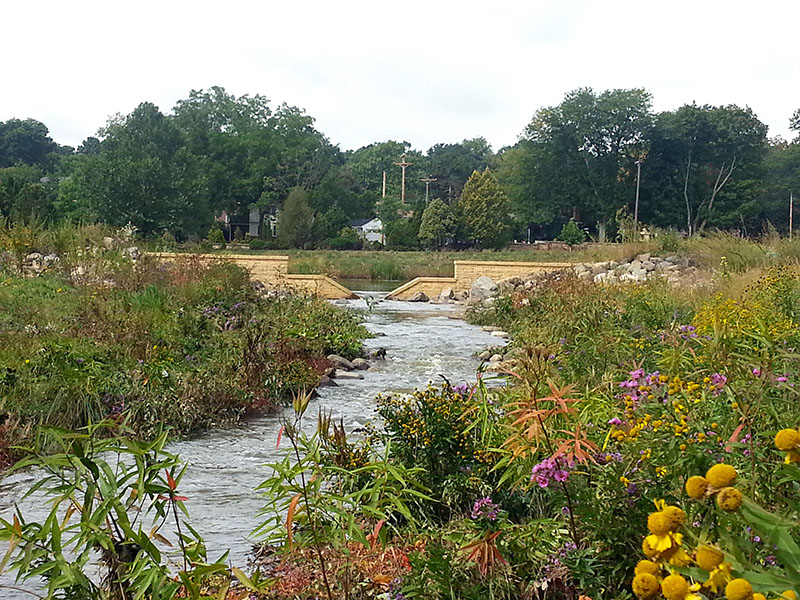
{"x": 425, "y": 72}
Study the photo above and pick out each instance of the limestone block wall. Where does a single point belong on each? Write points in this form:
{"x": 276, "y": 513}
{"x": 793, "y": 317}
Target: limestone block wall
{"x": 432, "y": 287}
{"x": 273, "y": 270}
{"x": 467, "y": 271}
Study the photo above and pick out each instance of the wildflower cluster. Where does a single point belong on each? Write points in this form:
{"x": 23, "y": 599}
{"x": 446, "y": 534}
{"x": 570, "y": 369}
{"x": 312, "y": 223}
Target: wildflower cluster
{"x": 665, "y": 402}
{"x": 718, "y": 482}
{"x": 484, "y": 508}
{"x": 667, "y": 563}
{"x": 549, "y": 470}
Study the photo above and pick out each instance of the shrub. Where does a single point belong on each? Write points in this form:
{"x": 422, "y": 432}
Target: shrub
{"x": 571, "y": 234}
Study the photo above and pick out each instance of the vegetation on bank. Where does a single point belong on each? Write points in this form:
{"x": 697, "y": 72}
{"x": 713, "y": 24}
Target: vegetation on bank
{"x": 95, "y": 335}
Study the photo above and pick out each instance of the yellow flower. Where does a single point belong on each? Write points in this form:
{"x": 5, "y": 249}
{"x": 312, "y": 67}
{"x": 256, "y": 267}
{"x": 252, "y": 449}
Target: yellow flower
{"x": 647, "y": 566}
{"x": 789, "y": 594}
{"x": 708, "y": 558}
{"x": 739, "y": 589}
{"x": 792, "y": 456}
{"x": 647, "y": 549}
{"x": 729, "y": 499}
{"x": 679, "y": 558}
{"x": 697, "y": 487}
{"x": 658, "y": 523}
{"x": 721, "y": 475}
{"x": 718, "y": 577}
{"x": 758, "y": 596}
{"x": 645, "y": 586}
{"x": 787, "y": 439}
{"x": 661, "y": 471}
{"x": 675, "y": 587}
{"x": 675, "y": 517}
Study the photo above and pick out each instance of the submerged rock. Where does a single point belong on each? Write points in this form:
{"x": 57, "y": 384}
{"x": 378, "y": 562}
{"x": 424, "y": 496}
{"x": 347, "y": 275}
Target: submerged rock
{"x": 419, "y": 297}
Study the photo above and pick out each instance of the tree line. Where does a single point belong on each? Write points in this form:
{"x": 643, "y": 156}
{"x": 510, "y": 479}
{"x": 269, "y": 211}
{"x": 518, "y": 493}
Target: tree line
{"x": 696, "y": 167}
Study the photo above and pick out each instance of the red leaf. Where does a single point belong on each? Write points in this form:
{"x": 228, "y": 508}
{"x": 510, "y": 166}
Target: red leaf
{"x": 734, "y": 438}
{"x": 171, "y": 482}
{"x": 290, "y": 518}
{"x": 280, "y": 435}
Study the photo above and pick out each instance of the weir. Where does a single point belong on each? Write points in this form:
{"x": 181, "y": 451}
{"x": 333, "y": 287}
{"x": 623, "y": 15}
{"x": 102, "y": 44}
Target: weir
{"x": 274, "y": 270}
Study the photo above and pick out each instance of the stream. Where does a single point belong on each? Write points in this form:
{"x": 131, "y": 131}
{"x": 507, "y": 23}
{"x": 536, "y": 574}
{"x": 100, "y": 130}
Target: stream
{"x": 422, "y": 341}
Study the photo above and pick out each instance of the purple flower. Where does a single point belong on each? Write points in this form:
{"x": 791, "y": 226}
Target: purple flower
{"x": 485, "y": 508}
{"x": 550, "y": 469}
{"x": 615, "y": 421}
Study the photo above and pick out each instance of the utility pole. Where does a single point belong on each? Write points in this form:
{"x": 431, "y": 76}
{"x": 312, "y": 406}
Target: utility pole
{"x": 383, "y": 193}
{"x": 428, "y": 181}
{"x": 403, "y": 164}
{"x": 791, "y": 212}
{"x": 636, "y": 204}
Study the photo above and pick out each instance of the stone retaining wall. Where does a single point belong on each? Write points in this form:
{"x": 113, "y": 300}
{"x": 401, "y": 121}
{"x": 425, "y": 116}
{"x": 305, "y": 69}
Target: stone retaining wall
{"x": 274, "y": 271}
{"x": 467, "y": 271}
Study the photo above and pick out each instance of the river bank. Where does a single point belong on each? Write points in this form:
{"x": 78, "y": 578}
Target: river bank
{"x": 186, "y": 346}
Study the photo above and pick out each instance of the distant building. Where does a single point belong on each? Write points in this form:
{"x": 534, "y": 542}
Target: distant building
{"x": 370, "y": 230}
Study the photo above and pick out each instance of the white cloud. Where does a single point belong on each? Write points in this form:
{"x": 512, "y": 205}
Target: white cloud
{"x": 425, "y": 72}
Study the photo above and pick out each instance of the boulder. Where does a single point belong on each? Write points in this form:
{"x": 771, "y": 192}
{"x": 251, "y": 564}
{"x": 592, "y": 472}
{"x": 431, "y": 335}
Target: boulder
{"x": 496, "y": 358}
{"x": 501, "y": 334}
{"x": 447, "y": 294}
{"x": 599, "y": 267}
{"x": 339, "y": 374}
{"x": 485, "y": 355}
{"x": 340, "y": 362}
{"x": 108, "y": 243}
{"x": 326, "y": 381}
{"x": 580, "y": 268}
{"x": 361, "y": 364}
{"x": 634, "y": 265}
{"x": 461, "y": 296}
{"x": 419, "y": 297}
{"x": 643, "y": 257}
{"x": 648, "y": 265}
{"x": 585, "y": 275}
{"x": 482, "y": 288}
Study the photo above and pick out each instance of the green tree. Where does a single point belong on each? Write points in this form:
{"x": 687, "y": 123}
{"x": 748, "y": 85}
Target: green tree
{"x": 438, "y": 225}
{"x": 571, "y": 234}
{"x": 452, "y": 164}
{"x": 294, "y": 221}
{"x": 705, "y": 167}
{"x": 26, "y": 142}
{"x": 577, "y": 159}
{"x": 143, "y": 174}
{"x": 368, "y": 164}
{"x": 485, "y": 210}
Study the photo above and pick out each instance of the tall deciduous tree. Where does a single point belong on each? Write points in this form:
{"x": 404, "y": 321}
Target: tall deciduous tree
{"x": 295, "y": 220}
{"x": 705, "y": 163}
{"x": 577, "y": 159}
{"x": 485, "y": 209}
{"x": 438, "y": 225}
{"x": 26, "y": 142}
{"x": 143, "y": 174}
{"x": 452, "y": 164}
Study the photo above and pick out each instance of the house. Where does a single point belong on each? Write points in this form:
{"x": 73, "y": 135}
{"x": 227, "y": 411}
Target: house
{"x": 370, "y": 230}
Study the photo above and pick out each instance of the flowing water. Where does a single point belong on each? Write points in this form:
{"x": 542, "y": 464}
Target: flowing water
{"x": 422, "y": 342}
